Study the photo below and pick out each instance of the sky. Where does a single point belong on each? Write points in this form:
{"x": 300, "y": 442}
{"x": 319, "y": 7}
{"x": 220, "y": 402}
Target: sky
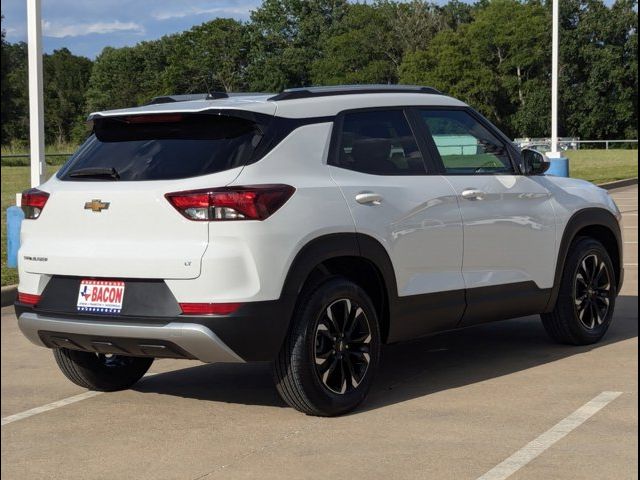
{"x": 87, "y": 26}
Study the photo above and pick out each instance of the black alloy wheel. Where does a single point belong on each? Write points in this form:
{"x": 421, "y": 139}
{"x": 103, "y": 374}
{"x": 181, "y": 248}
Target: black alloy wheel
{"x": 592, "y": 291}
{"x": 329, "y": 358}
{"x": 587, "y": 295}
{"x": 342, "y": 341}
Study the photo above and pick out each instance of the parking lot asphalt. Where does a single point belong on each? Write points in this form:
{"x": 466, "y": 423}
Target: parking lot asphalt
{"x": 453, "y": 406}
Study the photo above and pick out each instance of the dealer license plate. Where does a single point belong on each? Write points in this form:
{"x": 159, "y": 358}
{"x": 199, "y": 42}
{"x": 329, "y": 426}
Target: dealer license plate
{"x": 100, "y": 296}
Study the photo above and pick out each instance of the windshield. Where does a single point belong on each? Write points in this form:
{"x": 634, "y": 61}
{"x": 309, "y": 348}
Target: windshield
{"x": 162, "y": 147}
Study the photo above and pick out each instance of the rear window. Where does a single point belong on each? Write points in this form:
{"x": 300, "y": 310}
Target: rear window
{"x": 379, "y": 142}
{"x": 162, "y": 147}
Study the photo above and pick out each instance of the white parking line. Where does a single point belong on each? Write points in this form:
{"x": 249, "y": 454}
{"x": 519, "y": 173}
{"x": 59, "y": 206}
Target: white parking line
{"x": 560, "y": 430}
{"x": 53, "y": 405}
{"x": 632, "y": 243}
{"x": 48, "y": 407}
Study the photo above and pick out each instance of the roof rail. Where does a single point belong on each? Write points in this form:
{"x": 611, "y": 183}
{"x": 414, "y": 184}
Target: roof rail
{"x": 250, "y": 94}
{"x": 310, "y": 92}
{"x": 188, "y": 97}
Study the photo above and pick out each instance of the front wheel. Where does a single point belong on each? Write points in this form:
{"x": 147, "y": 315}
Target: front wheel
{"x": 331, "y": 353}
{"x": 96, "y": 371}
{"x": 588, "y": 290}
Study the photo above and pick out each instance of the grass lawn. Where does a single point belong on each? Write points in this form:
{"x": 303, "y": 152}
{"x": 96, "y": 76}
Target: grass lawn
{"x": 597, "y": 166}
{"x": 601, "y": 166}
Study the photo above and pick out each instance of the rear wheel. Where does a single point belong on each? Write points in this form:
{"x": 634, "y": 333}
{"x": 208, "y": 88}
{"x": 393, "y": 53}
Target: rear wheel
{"x": 331, "y": 353}
{"x": 104, "y": 373}
{"x": 586, "y": 301}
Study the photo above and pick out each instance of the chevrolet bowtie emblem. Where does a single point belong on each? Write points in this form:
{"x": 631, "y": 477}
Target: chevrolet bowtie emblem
{"x": 96, "y": 205}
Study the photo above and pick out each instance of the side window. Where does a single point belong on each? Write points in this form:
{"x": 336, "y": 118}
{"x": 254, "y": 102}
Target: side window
{"x": 378, "y": 142}
{"x": 465, "y": 146}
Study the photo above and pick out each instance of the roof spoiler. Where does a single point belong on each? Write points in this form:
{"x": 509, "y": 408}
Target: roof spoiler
{"x": 187, "y": 98}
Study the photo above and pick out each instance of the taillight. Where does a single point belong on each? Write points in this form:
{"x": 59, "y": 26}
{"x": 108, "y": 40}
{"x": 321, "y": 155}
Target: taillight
{"x": 209, "y": 308}
{"x": 32, "y": 203}
{"x": 254, "y": 202}
{"x": 28, "y": 298}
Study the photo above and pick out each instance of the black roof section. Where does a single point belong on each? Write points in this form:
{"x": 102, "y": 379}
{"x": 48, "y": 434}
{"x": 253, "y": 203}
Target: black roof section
{"x": 311, "y": 92}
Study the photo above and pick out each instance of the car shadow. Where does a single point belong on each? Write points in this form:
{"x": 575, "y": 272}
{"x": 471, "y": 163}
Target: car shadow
{"x": 408, "y": 370}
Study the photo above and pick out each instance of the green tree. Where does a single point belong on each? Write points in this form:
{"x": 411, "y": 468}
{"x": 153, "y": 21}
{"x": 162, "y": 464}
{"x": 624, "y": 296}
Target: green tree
{"x": 369, "y": 44}
{"x": 65, "y": 78}
{"x": 211, "y": 56}
{"x": 457, "y": 13}
{"x": 15, "y": 100}
{"x": 415, "y": 23}
{"x": 362, "y": 51}
{"x": 4, "y": 84}
{"x": 599, "y": 69}
{"x": 285, "y": 37}
{"x": 498, "y": 63}
{"x": 128, "y": 76}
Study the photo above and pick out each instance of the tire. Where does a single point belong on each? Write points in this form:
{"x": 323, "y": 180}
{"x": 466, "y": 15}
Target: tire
{"x": 323, "y": 368}
{"x": 100, "y": 372}
{"x": 586, "y": 301}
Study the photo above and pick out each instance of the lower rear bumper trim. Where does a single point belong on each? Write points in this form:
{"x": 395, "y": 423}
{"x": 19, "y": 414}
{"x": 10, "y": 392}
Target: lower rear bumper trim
{"x": 197, "y": 340}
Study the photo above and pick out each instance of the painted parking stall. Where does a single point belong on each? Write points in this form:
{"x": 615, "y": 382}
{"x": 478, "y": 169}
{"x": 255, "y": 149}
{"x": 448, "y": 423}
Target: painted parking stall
{"x": 100, "y": 296}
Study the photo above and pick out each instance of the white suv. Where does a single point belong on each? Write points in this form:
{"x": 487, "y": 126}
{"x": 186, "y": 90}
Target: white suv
{"x": 305, "y": 228}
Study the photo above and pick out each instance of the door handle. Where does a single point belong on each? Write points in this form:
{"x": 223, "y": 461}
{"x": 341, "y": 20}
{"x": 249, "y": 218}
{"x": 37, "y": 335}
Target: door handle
{"x": 369, "y": 197}
{"x": 473, "y": 194}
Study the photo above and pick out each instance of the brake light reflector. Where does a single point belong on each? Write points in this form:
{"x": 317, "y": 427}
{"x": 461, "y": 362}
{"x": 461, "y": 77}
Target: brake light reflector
{"x": 209, "y": 308}
{"x": 28, "y": 298}
{"x": 253, "y": 202}
{"x": 32, "y": 203}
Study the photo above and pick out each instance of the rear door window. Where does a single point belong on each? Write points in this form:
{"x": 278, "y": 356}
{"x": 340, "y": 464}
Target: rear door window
{"x": 378, "y": 142}
{"x": 163, "y": 147}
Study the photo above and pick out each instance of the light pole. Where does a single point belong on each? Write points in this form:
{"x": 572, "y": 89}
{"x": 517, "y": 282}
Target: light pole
{"x": 559, "y": 164}
{"x": 554, "y": 78}
{"x": 36, "y": 97}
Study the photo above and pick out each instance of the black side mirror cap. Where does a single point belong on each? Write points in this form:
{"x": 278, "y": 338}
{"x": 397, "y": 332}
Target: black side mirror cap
{"x": 535, "y": 162}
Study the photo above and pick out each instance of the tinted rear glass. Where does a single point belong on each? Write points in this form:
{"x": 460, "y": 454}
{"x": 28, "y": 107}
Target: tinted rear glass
{"x": 379, "y": 142}
{"x": 162, "y": 147}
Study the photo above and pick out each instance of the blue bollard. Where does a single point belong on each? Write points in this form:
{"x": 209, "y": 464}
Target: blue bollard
{"x": 559, "y": 166}
{"x": 15, "y": 215}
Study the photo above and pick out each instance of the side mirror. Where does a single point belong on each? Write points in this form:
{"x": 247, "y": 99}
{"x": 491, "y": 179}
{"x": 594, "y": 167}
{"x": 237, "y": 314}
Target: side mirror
{"x": 535, "y": 163}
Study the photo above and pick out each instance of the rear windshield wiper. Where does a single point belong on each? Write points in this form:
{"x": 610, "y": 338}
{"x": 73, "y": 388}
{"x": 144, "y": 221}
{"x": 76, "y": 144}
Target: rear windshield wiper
{"x": 95, "y": 172}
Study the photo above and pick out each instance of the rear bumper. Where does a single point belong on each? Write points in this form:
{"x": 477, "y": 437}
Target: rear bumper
{"x": 180, "y": 340}
{"x": 255, "y": 332}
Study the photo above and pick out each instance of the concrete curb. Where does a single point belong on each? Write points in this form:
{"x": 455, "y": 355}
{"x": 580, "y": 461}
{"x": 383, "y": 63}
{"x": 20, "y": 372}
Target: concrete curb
{"x": 9, "y": 294}
{"x": 627, "y": 182}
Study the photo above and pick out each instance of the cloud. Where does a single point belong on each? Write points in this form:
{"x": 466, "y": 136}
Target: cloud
{"x": 188, "y": 12}
{"x": 51, "y": 29}
{"x": 12, "y": 32}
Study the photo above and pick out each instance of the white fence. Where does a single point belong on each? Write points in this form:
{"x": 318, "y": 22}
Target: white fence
{"x": 544, "y": 144}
